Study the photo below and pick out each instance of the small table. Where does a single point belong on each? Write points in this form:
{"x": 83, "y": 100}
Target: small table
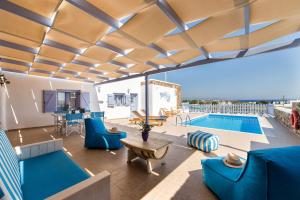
{"x": 153, "y": 151}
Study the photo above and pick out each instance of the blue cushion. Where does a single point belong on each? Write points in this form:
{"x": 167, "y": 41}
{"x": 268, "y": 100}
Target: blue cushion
{"x": 96, "y": 135}
{"x": 49, "y": 174}
{"x": 72, "y": 123}
{"x": 98, "y": 125}
{"x": 283, "y": 171}
{"x": 97, "y": 114}
{"x": 268, "y": 174}
{"x": 203, "y": 141}
{"x": 9, "y": 170}
{"x": 76, "y": 116}
{"x": 217, "y": 165}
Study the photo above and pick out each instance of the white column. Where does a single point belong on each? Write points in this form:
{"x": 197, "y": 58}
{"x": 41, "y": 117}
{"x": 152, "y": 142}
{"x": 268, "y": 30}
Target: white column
{"x": 147, "y": 99}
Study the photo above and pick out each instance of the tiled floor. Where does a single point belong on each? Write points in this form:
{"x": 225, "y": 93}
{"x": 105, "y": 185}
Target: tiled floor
{"x": 180, "y": 178}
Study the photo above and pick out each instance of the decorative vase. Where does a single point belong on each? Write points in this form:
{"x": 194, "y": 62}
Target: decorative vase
{"x": 145, "y": 135}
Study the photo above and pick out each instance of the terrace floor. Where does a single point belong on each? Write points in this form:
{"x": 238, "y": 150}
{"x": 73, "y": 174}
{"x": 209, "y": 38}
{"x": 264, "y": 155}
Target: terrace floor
{"x": 180, "y": 178}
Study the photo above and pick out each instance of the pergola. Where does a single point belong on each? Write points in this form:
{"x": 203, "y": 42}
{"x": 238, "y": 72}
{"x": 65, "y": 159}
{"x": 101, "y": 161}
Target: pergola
{"x": 102, "y": 41}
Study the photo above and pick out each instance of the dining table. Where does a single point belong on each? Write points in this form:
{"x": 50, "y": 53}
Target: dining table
{"x": 60, "y": 120}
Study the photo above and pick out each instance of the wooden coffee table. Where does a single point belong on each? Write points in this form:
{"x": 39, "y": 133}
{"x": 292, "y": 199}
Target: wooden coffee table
{"x": 153, "y": 151}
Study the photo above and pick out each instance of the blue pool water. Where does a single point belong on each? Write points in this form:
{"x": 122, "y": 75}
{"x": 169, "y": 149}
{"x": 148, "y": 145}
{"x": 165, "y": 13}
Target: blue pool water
{"x": 229, "y": 122}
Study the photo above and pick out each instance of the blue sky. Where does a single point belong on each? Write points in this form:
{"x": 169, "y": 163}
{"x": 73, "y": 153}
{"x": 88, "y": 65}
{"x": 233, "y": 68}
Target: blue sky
{"x": 264, "y": 76}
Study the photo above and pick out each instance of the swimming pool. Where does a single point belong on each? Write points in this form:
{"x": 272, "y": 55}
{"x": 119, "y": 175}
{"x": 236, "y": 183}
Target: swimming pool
{"x": 229, "y": 122}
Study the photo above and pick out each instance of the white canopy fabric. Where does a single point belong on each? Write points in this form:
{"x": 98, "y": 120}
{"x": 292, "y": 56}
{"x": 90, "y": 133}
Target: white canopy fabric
{"x": 102, "y": 40}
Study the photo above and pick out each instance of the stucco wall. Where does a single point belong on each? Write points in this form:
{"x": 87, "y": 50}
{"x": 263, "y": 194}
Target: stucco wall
{"x": 160, "y": 97}
{"x": 283, "y": 116}
{"x": 22, "y": 102}
{"x": 127, "y": 87}
{"x": 156, "y": 101}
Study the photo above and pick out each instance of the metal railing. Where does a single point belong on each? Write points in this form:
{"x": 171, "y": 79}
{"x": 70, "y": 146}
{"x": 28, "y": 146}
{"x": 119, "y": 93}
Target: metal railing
{"x": 177, "y": 118}
{"x": 228, "y": 108}
{"x": 186, "y": 122}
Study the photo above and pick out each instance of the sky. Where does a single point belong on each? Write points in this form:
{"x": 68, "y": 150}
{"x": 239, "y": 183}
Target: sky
{"x": 265, "y": 76}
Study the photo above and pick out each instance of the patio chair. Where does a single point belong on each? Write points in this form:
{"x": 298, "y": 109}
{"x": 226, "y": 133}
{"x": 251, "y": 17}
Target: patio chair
{"x": 73, "y": 121}
{"x": 59, "y": 120}
{"x": 43, "y": 171}
{"x": 166, "y": 112}
{"x": 175, "y": 111}
{"x": 98, "y": 137}
{"x": 160, "y": 117}
{"x": 169, "y": 113}
{"x": 153, "y": 120}
{"x": 268, "y": 174}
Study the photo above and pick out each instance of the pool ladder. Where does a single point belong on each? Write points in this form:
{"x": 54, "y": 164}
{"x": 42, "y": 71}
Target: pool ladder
{"x": 187, "y": 118}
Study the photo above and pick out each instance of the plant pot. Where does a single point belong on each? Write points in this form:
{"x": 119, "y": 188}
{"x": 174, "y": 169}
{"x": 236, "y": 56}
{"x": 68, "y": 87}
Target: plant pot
{"x": 145, "y": 136}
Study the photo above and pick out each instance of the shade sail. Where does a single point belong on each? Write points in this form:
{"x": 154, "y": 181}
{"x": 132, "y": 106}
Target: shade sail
{"x": 101, "y": 41}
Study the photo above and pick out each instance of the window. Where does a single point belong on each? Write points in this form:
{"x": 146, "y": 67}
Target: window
{"x": 67, "y": 100}
{"x": 120, "y": 99}
{"x": 60, "y": 100}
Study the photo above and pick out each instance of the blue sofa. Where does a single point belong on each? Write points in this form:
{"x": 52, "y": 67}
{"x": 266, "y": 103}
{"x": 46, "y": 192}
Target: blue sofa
{"x": 96, "y": 135}
{"x": 268, "y": 174}
{"x": 43, "y": 170}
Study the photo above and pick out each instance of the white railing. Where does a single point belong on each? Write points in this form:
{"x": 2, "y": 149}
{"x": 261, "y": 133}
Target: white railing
{"x": 227, "y": 108}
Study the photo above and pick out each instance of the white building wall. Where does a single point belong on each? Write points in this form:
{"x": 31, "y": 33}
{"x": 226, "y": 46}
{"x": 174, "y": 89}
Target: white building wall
{"x": 127, "y": 87}
{"x": 21, "y": 105}
{"x": 160, "y": 97}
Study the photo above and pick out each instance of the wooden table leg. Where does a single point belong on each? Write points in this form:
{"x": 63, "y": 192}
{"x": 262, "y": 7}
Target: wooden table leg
{"x": 153, "y": 158}
{"x": 153, "y": 163}
{"x": 131, "y": 156}
{"x": 149, "y": 166}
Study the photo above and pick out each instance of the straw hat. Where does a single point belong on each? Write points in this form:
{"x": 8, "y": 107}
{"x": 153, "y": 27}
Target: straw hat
{"x": 114, "y": 130}
{"x": 233, "y": 160}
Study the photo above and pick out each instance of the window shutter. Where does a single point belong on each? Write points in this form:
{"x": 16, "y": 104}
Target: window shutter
{"x": 50, "y": 100}
{"x": 110, "y": 101}
{"x": 128, "y": 100}
{"x": 85, "y": 100}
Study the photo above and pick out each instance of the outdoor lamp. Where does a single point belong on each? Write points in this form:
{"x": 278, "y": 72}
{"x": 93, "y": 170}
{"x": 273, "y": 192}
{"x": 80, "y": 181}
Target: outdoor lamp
{"x": 3, "y": 80}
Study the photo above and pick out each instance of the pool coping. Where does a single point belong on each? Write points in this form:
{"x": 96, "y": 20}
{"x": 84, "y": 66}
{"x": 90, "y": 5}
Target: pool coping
{"x": 239, "y": 115}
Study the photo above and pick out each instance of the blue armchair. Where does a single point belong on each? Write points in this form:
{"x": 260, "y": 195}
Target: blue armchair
{"x": 96, "y": 136}
{"x": 267, "y": 174}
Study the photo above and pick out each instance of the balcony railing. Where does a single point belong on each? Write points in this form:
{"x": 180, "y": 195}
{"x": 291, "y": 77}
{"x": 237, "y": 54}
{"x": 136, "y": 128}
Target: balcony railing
{"x": 230, "y": 108}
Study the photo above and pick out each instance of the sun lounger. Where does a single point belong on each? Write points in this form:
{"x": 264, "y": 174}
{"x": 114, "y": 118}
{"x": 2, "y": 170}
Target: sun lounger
{"x": 143, "y": 114}
{"x": 169, "y": 113}
{"x": 155, "y": 121}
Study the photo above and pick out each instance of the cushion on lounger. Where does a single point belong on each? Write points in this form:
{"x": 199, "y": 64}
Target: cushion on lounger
{"x": 48, "y": 174}
{"x": 206, "y": 142}
{"x": 10, "y": 183}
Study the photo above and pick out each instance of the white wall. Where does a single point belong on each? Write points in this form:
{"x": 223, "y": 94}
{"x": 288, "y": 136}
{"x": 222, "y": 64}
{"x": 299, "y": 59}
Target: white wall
{"x": 158, "y": 100}
{"x": 127, "y": 87}
{"x": 21, "y": 104}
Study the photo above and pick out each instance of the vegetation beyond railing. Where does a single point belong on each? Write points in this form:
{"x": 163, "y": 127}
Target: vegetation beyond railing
{"x": 228, "y": 108}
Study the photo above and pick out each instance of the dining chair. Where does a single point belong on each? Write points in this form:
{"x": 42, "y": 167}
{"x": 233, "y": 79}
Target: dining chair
{"x": 97, "y": 115}
{"x": 73, "y": 121}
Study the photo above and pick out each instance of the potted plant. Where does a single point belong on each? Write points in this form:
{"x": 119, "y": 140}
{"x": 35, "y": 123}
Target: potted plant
{"x": 145, "y": 129}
